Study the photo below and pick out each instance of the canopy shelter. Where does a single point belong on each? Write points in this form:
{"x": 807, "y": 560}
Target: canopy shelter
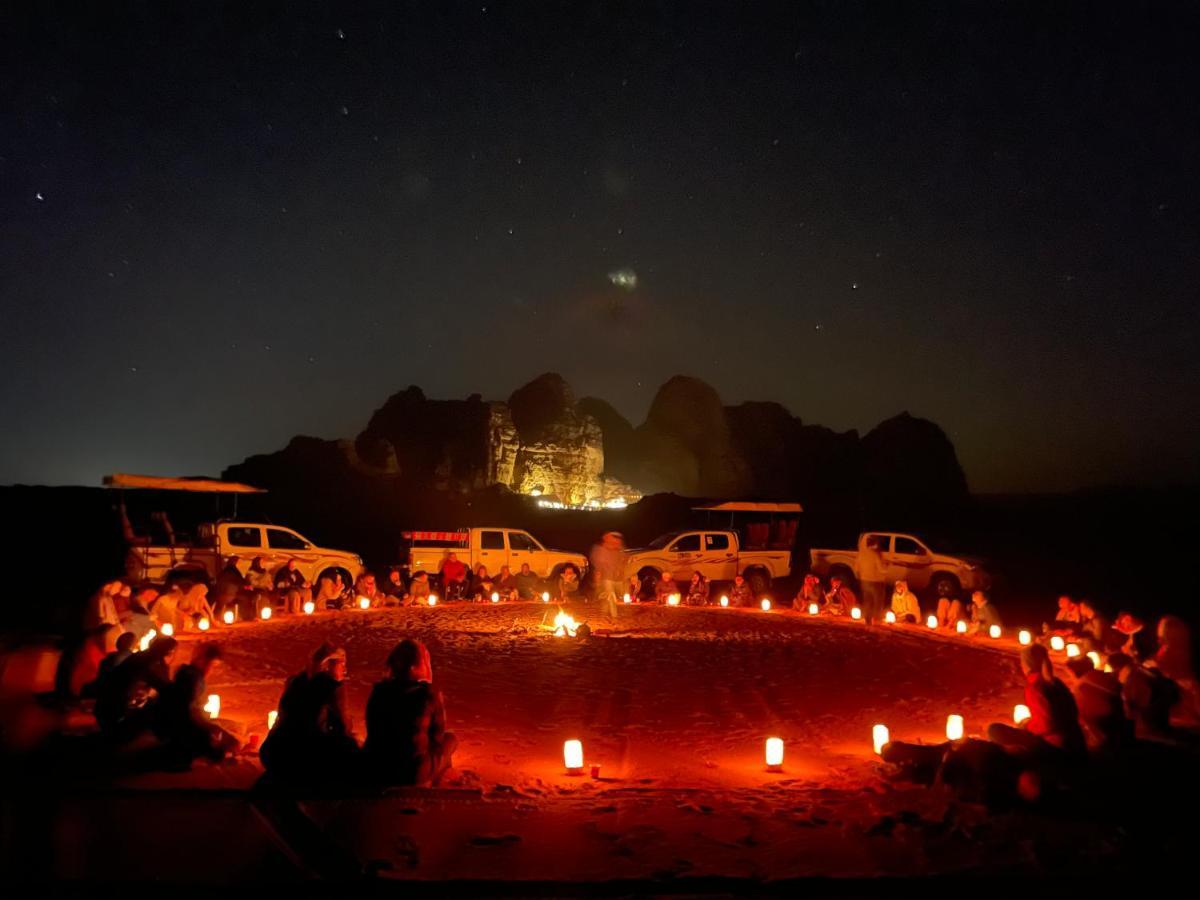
{"x": 762, "y": 525}
{"x": 199, "y": 485}
{"x": 123, "y": 481}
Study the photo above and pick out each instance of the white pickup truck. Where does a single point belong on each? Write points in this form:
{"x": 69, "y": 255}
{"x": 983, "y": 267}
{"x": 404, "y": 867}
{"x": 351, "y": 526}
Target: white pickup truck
{"x": 221, "y": 541}
{"x": 717, "y": 555}
{"x": 908, "y": 559}
{"x": 494, "y": 547}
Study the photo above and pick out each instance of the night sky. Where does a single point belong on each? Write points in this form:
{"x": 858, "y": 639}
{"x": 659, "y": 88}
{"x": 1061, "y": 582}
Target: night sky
{"x": 223, "y": 224}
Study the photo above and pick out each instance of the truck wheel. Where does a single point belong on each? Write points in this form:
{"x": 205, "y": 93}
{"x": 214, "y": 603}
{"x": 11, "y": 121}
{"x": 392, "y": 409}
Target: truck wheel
{"x": 759, "y": 582}
{"x": 945, "y": 586}
{"x": 845, "y": 574}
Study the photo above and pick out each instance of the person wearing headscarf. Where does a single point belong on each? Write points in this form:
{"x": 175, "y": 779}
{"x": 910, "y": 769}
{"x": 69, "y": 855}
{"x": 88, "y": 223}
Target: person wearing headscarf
{"x": 1054, "y": 718}
{"x": 194, "y": 606}
{"x": 407, "y": 741}
{"x": 312, "y": 739}
{"x": 905, "y": 604}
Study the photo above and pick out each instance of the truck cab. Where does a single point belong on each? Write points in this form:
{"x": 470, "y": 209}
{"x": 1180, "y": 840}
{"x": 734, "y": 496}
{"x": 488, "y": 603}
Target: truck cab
{"x": 493, "y": 547}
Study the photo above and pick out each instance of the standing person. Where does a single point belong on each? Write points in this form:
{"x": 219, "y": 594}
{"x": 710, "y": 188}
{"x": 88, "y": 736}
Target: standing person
{"x": 312, "y": 739}
{"x": 608, "y": 568}
{"x": 407, "y": 741}
{"x": 872, "y": 579}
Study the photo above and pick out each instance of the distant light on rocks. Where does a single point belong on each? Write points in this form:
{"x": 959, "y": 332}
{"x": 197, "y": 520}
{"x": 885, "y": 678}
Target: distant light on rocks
{"x": 626, "y": 279}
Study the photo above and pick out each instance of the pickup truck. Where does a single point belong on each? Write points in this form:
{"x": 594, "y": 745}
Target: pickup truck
{"x": 908, "y": 559}
{"x": 221, "y": 541}
{"x": 494, "y": 547}
{"x": 717, "y": 555}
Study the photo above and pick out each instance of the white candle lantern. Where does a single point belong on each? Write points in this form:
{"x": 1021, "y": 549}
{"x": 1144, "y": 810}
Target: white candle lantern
{"x": 573, "y": 757}
{"x": 495, "y": 597}
{"x": 724, "y": 601}
{"x": 1056, "y": 642}
{"x": 272, "y": 717}
{"x": 954, "y": 727}
{"x": 364, "y": 603}
{"x": 931, "y": 622}
{"x": 266, "y": 613}
{"x": 545, "y": 596}
{"x": 203, "y": 623}
{"x": 168, "y": 629}
{"x": 433, "y": 599}
{"x": 212, "y": 706}
{"x": 889, "y": 617}
{"x": 1072, "y": 651}
{"x": 673, "y": 600}
{"x": 879, "y": 737}
{"x": 813, "y": 609}
{"x": 227, "y": 617}
{"x": 774, "y": 754}
{"x": 147, "y": 639}
{"x": 766, "y": 605}
{"x": 1095, "y": 658}
{"x": 309, "y": 607}
{"x": 960, "y": 626}
{"x": 1024, "y": 638}
{"x": 628, "y": 598}
{"x": 994, "y": 632}
{"x": 856, "y": 613}
{"x": 1021, "y": 713}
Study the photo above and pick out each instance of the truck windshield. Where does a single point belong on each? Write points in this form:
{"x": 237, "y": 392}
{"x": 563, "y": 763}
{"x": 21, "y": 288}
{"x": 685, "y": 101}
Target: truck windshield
{"x": 659, "y": 542}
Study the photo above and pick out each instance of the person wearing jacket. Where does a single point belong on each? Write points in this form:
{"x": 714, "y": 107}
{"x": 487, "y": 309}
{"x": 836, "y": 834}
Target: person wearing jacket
{"x": 407, "y": 741}
{"x": 810, "y": 592}
{"x": 505, "y": 584}
{"x": 1053, "y": 725}
{"x": 983, "y": 613}
{"x": 454, "y": 577}
{"x": 527, "y": 582}
{"x": 840, "y": 599}
{"x": 102, "y": 607}
{"x": 665, "y": 588}
{"x": 905, "y": 604}
{"x": 127, "y": 699}
{"x": 181, "y": 721}
{"x": 312, "y": 739}
{"x": 697, "y": 594}
{"x": 292, "y": 587}
{"x": 568, "y": 584}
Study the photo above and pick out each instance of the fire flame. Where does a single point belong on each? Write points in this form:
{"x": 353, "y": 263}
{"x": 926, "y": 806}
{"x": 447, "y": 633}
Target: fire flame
{"x": 564, "y": 625}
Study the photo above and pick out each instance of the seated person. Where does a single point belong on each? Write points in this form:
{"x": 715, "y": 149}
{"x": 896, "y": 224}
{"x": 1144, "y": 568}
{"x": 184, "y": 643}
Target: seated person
{"x": 1066, "y": 619}
{"x": 165, "y": 610}
{"x": 840, "y": 599}
{"x": 418, "y": 588}
{"x": 482, "y": 586}
{"x": 407, "y": 741}
{"x": 505, "y": 584}
{"x": 194, "y": 606}
{"x": 1101, "y": 710}
{"x": 365, "y": 586}
{"x": 101, "y": 608}
{"x": 292, "y": 587}
{"x": 126, "y": 644}
{"x": 181, "y": 721}
{"x": 127, "y": 699}
{"x": 79, "y": 667}
{"x": 1093, "y": 627}
{"x": 228, "y": 588}
{"x": 527, "y": 583}
{"x": 1148, "y": 696}
{"x": 949, "y": 611}
{"x": 312, "y": 737}
{"x": 568, "y": 584}
{"x": 1128, "y": 635}
{"x": 395, "y": 591}
{"x": 697, "y": 593}
{"x": 261, "y": 587}
{"x": 665, "y": 588}
{"x": 905, "y": 604}
{"x": 454, "y": 577}
{"x": 740, "y": 593}
{"x": 810, "y": 592}
{"x": 983, "y": 613}
{"x": 634, "y": 589}
{"x": 140, "y": 621}
{"x": 331, "y": 593}
{"x": 1053, "y": 725}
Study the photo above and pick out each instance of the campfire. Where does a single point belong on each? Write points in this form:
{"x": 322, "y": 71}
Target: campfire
{"x": 564, "y": 625}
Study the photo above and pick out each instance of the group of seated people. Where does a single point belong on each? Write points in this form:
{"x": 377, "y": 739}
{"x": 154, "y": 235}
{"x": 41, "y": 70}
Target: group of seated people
{"x": 406, "y": 738}
{"x": 481, "y": 586}
{"x": 1074, "y": 713}
{"x": 905, "y": 606}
